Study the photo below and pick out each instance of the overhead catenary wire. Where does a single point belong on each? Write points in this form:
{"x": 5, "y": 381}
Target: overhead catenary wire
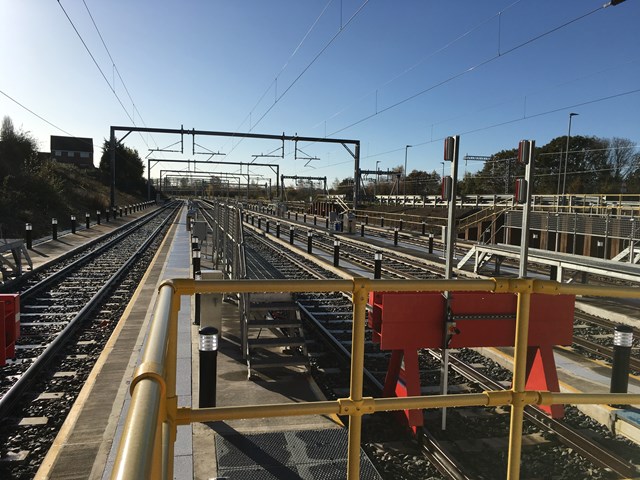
{"x": 468, "y": 70}
{"x": 306, "y": 68}
{"x": 111, "y": 87}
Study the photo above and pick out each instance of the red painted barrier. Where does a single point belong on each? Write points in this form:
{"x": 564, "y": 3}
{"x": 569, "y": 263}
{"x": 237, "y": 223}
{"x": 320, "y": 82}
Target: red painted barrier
{"x": 9, "y": 325}
{"x": 404, "y": 322}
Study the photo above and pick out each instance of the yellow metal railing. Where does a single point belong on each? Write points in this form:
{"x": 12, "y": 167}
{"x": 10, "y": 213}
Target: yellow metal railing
{"x": 146, "y": 448}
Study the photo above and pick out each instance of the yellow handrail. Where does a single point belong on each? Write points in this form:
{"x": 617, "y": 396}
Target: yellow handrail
{"x": 146, "y": 448}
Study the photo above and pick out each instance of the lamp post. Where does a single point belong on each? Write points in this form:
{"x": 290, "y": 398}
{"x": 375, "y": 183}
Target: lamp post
{"x": 375, "y": 185}
{"x": 566, "y": 158}
{"x": 404, "y": 183}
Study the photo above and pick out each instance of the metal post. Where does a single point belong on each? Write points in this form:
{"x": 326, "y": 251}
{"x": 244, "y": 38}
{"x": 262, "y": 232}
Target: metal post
{"x": 259, "y": 222}
{"x": 87, "y": 219}
{"x": 326, "y": 223}
{"x": 304, "y": 218}
{"x": 73, "y": 224}
{"x": 362, "y": 229}
{"x": 431, "y": 243}
{"x": 120, "y": 212}
{"x": 622, "y": 343}
{"x": 366, "y": 219}
{"x": 566, "y": 156}
{"x": 266, "y": 226}
{"x": 395, "y": 236}
{"x": 309, "y": 241}
{"x": 54, "y": 228}
{"x": 524, "y": 241}
{"x": 401, "y": 223}
{"x": 381, "y": 222}
{"x": 106, "y": 214}
{"x": 291, "y": 234}
{"x": 208, "y": 356}
{"x": 336, "y": 253}
{"x": 277, "y": 229}
{"x": 448, "y": 272}
{"x": 196, "y": 321}
{"x": 424, "y": 228}
{"x": 296, "y": 216}
{"x": 28, "y": 232}
{"x": 315, "y": 220}
{"x": 377, "y": 265}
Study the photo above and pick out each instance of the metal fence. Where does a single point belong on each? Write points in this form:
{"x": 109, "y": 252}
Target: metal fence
{"x": 146, "y": 449}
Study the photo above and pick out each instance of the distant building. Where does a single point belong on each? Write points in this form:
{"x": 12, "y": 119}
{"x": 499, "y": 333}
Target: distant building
{"x": 75, "y": 150}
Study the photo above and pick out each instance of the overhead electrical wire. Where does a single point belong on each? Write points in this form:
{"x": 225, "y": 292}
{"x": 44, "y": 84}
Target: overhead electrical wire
{"x": 111, "y": 87}
{"x": 421, "y": 61}
{"x": 115, "y": 67}
{"x": 35, "y": 114}
{"x": 304, "y": 70}
{"x": 468, "y": 70}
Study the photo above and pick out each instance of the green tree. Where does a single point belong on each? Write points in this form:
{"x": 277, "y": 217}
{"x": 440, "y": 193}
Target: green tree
{"x": 18, "y": 150}
{"x": 129, "y": 168}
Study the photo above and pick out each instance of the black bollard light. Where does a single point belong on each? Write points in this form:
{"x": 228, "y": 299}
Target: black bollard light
{"x": 73, "y": 224}
{"x": 28, "y": 235}
{"x": 377, "y": 265}
{"x": 431, "y": 243}
{"x": 366, "y": 219}
{"x": 196, "y": 321}
{"x": 87, "y": 220}
{"x": 195, "y": 243}
{"x": 288, "y": 215}
{"x": 54, "y": 228}
{"x": 121, "y": 212}
{"x": 315, "y": 220}
{"x": 291, "y": 233}
{"x": 259, "y": 222}
{"x": 195, "y": 259}
{"x": 296, "y": 214}
{"x": 622, "y": 342}
{"x": 362, "y": 229}
{"x": 326, "y": 223}
{"x": 401, "y": 223}
{"x": 424, "y": 228}
{"x": 277, "y": 229}
{"x": 304, "y": 218}
{"x": 309, "y": 241}
{"x": 395, "y": 236}
{"x": 266, "y": 226}
{"x": 106, "y": 214}
{"x": 381, "y": 221}
{"x": 336, "y": 253}
{"x": 208, "y": 356}
{"x": 253, "y": 220}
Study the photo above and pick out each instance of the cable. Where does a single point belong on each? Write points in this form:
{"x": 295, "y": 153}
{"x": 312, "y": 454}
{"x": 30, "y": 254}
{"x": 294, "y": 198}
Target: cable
{"x": 515, "y": 120}
{"x": 468, "y": 70}
{"x": 98, "y": 66}
{"x": 35, "y": 114}
{"x": 421, "y": 61}
{"x": 342, "y": 29}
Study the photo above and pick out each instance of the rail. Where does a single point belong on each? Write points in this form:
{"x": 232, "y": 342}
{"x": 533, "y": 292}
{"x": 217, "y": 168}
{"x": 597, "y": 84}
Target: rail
{"x": 146, "y": 449}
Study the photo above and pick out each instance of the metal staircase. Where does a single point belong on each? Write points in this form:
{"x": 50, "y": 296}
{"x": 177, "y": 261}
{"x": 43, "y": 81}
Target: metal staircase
{"x": 273, "y": 333}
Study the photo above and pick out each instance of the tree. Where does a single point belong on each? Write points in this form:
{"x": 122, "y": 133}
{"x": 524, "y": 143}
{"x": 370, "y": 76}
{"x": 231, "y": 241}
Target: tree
{"x": 129, "y": 168}
{"x": 18, "y": 150}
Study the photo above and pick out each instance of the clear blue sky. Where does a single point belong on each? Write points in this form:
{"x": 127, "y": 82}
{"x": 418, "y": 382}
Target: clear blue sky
{"x": 212, "y": 65}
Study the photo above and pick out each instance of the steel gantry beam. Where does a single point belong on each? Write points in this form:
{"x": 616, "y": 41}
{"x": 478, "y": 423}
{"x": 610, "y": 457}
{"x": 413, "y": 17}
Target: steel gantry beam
{"x": 212, "y": 133}
{"x": 297, "y": 177}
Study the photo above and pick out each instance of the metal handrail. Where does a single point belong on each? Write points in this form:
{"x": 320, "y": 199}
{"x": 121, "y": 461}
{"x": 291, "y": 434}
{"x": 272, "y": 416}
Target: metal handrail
{"x": 146, "y": 447}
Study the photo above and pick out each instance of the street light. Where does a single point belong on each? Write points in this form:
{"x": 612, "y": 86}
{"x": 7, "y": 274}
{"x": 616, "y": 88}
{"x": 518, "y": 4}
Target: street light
{"x": 375, "y": 185}
{"x": 566, "y": 158}
{"x": 404, "y": 183}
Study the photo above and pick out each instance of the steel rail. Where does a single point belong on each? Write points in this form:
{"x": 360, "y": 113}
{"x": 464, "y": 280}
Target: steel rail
{"x": 30, "y": 375}
{"x": 584, "y": 446}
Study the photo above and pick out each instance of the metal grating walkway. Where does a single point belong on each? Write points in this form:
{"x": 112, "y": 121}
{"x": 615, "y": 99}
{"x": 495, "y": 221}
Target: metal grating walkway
{"x": 289, "y": 455}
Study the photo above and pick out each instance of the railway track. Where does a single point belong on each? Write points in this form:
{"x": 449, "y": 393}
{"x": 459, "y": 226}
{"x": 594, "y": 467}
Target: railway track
{"x": 330, "y": 316}
{"x": 67, "y": 315}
